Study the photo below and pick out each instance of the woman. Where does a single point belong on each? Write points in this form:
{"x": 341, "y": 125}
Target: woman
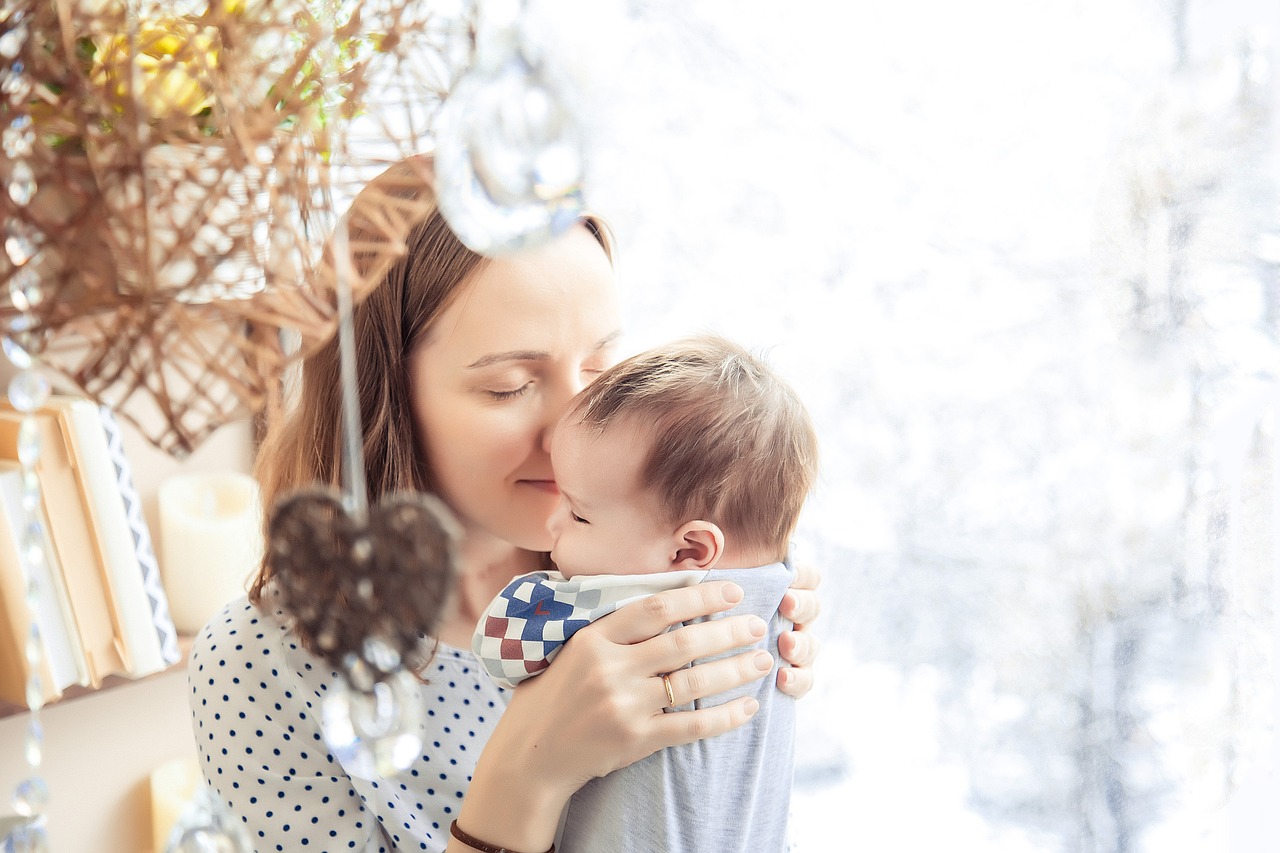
{"x": 464, "y": 366}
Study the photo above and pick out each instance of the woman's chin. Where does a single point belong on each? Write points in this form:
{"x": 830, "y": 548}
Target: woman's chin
{"x": 530, "y": 537}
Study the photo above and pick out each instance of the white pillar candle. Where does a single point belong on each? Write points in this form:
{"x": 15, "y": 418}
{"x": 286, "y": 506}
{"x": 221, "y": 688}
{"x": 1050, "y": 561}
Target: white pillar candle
{"x": 210, "y": 542}
{"x": 172, "y": 786}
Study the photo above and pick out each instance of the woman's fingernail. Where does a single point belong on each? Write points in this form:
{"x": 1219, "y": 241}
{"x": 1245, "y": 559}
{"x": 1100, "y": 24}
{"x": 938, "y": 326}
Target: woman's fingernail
{"x": 784, "y": 678}
{"x": 763, "y": 661}
{"x": 733, "y": 593}
{"x": 756, "y": 626}
{"x": 752, "y": 706}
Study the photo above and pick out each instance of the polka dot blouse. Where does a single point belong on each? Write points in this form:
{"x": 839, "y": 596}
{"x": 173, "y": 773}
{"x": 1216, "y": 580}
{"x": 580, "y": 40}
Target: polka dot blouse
{"x": 255, "y": 704}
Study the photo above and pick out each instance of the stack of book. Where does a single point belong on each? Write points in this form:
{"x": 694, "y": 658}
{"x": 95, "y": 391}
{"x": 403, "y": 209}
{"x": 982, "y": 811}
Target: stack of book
{"x": 99, "y": 604}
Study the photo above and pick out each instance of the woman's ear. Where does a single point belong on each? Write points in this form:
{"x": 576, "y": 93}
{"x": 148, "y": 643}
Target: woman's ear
{"x": 698, "y": 545}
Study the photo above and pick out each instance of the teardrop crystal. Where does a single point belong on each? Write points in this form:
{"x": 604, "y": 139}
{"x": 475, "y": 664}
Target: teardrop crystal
{"x": 22, "y": 183}
{"x": 28, "y": 391}
{"x": 31, "y": 797}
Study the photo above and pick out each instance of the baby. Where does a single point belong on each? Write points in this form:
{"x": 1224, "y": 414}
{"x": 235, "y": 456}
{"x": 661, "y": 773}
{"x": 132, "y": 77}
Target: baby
{"x": 684, "y": 464}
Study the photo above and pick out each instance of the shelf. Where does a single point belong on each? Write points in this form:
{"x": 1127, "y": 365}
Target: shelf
{"x": 111, "y": 682}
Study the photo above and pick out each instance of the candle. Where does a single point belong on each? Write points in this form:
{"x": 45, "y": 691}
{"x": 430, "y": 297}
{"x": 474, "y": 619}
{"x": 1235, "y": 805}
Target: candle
{"x": 210, "y": 542}
{"x": 172, "y": 786}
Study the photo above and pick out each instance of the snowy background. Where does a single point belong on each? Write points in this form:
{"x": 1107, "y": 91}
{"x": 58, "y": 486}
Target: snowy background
{"x": 1022, "y": 260}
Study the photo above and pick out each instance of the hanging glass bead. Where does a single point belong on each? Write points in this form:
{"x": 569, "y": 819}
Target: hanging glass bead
{"x": 28, "y": 442}
{"x": 17, "y": 85}
{"x": 19, "y": 137}
{"x": 17, "y": 356}
{"x": 373, "y": 730}
{"x": 29, "y": 838}
{"x": 21, "y": 242}
{"x": 35, "y": 691}
{"x": 33, "y": 646}
{"x": 30, "y": 490}
{"x": 205, "y": 826}
{"x": 33, "y": 543}
{"x": 12, "y": 41}
{"x": 28, "y": 391}
{"x": 509, "y": 152}
{"x": 22, "y": 183}
{"x": 33, "y": 743}
{"x": 31, "y": 797}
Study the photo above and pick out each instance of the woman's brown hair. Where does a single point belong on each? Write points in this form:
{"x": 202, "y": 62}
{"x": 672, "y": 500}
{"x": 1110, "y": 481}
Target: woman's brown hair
{"x": 304, "y": 447}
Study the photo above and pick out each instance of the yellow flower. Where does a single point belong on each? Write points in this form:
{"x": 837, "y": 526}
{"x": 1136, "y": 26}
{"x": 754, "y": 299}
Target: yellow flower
{"x": 174, "y": 64}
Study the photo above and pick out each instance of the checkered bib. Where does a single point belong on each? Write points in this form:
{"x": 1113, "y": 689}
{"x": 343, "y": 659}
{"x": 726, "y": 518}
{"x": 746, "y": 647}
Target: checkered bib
{"x": 527, "y": 623}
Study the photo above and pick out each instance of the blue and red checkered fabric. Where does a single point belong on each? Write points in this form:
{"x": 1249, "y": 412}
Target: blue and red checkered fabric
{"x": 527, "y": 623}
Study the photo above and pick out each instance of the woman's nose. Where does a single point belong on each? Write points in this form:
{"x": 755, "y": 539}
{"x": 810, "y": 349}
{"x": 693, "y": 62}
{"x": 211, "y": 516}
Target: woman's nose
{"x": 556, "y": 405}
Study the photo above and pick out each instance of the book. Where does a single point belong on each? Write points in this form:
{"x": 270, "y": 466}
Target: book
{"x": 152, "y": 583}
{"x": 75, "y": 543}
{"x": 98, "y": 477}
{"x": 62, "y": 662}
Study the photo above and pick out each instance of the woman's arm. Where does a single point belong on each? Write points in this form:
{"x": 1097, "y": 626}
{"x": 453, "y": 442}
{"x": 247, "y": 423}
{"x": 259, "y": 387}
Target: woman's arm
{"x": 600, "y": 707}
{"x": 799, "y": 647}
{"x": 259, "y": 741}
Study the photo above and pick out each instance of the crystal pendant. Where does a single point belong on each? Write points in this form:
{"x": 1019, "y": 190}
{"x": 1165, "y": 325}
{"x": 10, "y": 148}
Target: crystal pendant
{"x": 34, "y": 646}
{"x": 33, "y": 743}
{"x": 21, "y": 243}
{"x": 17, "y": 356}
{"x": 32, "y": 546}
{"x": 25, "y": 288}
{"x": 509, "y": 156}
{"x": 35, "y": 693}
{"x": 19, "y": 137}
{"x": 29, "y": 836}
{"x": 31, "y": 797}
{"x": 373, "y": 728}
{"x": 30, "y": 490}
{"x": 205, "y": 826}
{"x": 12, "y": 41}
{"x": 28, "y": 442}
{"x": 17, "y": 85}
{"x": 28, "y": 391}
{"x": 22, "y": 183}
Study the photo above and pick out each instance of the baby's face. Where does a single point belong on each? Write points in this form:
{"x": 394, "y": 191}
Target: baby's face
{"x": 605, "y": 523}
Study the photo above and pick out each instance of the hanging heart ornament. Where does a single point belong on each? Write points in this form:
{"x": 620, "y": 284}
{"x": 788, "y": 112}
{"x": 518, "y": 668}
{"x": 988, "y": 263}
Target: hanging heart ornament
{"x": 345, "y": 581}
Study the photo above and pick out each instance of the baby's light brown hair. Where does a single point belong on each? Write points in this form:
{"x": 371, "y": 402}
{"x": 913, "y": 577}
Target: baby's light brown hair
{"x": 730, "y": 442}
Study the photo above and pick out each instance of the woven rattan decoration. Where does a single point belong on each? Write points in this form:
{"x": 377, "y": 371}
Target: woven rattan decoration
{"x": 183, "y": 180}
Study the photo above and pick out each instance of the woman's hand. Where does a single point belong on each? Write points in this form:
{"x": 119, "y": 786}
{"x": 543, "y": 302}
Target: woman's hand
{"x": 799, "y": 647}
{"x": 599, "y": 707}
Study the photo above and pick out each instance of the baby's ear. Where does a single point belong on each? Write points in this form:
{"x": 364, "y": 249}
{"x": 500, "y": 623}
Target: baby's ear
{"x": 698, "y": 545}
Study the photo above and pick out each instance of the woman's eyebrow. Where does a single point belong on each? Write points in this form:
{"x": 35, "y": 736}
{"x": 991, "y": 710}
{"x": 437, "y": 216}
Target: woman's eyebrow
{"x": 533, "y": 354}
{"x": 512, "y": 355}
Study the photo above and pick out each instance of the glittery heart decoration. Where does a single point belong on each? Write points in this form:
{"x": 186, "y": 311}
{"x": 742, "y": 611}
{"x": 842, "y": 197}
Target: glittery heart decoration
{"x": 345, "y": 581}
{"x": 368, "y": 592}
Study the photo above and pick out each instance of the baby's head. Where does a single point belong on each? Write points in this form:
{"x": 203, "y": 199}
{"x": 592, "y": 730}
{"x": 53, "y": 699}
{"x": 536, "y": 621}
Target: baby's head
{"x": 682, "y": 457}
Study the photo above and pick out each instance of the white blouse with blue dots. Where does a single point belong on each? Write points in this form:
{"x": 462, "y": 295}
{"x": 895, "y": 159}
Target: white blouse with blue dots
{"x": 255, "y": 703}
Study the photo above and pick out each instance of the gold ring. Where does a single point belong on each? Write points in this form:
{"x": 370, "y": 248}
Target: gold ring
{"x": 671, "y": 696}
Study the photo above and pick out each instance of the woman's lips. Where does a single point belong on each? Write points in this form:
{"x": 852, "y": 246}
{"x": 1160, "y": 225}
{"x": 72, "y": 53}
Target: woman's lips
{"x": 548, "y": 486}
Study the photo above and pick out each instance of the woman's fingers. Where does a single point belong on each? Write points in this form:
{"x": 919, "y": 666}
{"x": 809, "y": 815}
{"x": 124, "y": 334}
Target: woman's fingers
{"x": 801, "y": 606}
{"x": 795, "y": 682}
{"x": 708, "y": 679}
{"x": 678, "y": 648}
{"x": 650, "y": 616}
{"x": 798, "y": 648}
{"x": 689, "y": 726}
{"x": 807, "y": 576}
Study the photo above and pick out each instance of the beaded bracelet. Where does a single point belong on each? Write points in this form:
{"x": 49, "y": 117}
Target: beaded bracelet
{"x": 482, "y": 846}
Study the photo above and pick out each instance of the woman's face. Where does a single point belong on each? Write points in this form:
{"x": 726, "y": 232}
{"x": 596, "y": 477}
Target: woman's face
{"x": 495, "y": 372}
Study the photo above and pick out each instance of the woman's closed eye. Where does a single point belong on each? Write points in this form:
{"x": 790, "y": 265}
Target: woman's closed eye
{"x": 578, "y": 518}
{"x": 511, "y": 394}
